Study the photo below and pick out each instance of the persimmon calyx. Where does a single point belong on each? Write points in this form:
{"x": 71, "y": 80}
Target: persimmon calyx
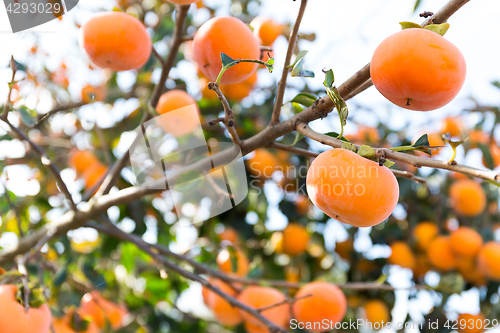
{"x": 79, "y": 323}
{"x": 36, "y": 297}
{"x": 437, "y": 28}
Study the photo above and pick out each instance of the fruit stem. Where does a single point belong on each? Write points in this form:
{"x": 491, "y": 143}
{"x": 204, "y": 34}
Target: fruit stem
{"x": 236, "y": 62}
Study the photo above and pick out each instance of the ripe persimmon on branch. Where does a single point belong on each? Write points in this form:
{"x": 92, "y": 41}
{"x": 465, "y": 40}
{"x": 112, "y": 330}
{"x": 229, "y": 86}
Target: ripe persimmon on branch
{"x": 227, "y": 284}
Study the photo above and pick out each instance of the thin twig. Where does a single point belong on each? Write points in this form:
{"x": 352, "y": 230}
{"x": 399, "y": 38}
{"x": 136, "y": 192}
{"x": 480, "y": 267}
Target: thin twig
{"x": 308, "y": 153}
{"x": 294, "y": 150}
{"x": 229, "y": 114}
{"x": 275, "y": 118}
{"x": 414, "y": 160}
{"x": 7, "y": 102}
{"x": 115, "y": 171}
{"x": 286, "y": 301}
{"x": 409, "y": 175}
{"x": 231, "y": 280}
{"x": 57, "y": 109}
{"x": 180, "y": 18}
{"x": 47, "y": 162}
{"x": 147, "y": 248}
{"x": 217, "y": 188}
{"x": 158, "y": 57}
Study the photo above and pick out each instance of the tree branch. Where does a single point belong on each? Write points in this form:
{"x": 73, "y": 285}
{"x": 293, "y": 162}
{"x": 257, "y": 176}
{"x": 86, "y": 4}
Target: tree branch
{"x": 180, "y": 18}
{"x": 229, "y": 114}
{"x": 167, "y": 65}
{"x": 416, "y": 161}
{"x": 275, "y": 118}
{"x": 148, "y": 248}
{"x": 57, "y": 109}
{"x": 229, "y": 279}
{"x": 319, "y": 109}
{"x": 45, "y": 161}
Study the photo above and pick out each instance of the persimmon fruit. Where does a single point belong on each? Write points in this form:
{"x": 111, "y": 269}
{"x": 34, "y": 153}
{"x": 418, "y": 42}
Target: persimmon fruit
{"x": 65, "y": 325}
{"x": 327, "y": 302}
{"x": 469, "y": 323}
{"x": 102, "y": 310}
{"x": 227, "y": 35}
{"x": 261, "y": 297}
{"x": 223, "y": 312}
{"x": 418, "y": 69}
{"x": 80, "y": 160}
{"x": 14, "y": 319}
{"x": 494, "y": 151}
{"x": 294, "y": 239}
{"x": 424, "y": 233}
{"x": 478, "y": 137}
{"x": 115, "y": 40}
{"x": 489, "y": 260}
{"x": 225, "y": 262}
{"x": 93, "y": 174}
{"x": 466, "y": 242}
{"x": 351, "y": 188}
{"x": 266, "y": 30}
{"x": 441, "y": 255}
{"x": 262, "y": 164}
{"x": 181, "y": 122}
{"x": 468, "y": 197}
{"x": 452, "y": 125}
{"x": 402, "y": 255}
{"x": 377, "y": 312}
{"x": 238, "y": 91}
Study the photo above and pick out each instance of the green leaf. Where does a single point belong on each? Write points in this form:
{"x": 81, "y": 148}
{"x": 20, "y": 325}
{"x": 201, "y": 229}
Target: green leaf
{"x": 299, "y": 71}
{"x": 337, "y": 136}
{"x": 388, "y": 163}
{"x": 349, "y": 146}
{"x": 438, "y": 28}
{"x": 423, "y": 141}
{"x": 488, "y": 158}
{"x": 339, "y": 103}
{"x": 296, "y": 108}
{"x": 226, "y": 60}
{"x": 409, "y": 25}
{"x": 417, "y": 4}
{"x": 27, "y": 116}
{"x": 298, "y": 137}
{"x": 20, "y": 67}
{"x": 496, "y": 84}
{"x": 297, "y": 66}
{"x": 367, "y": 151}
{"x": 493, "y": 182}
{"x": 60, "y": 276}
{"x": 234, "y": 258}
{"x": 298, "y": 58}
{"x": 329, "y": 78}
{"x": 304, "y": 99}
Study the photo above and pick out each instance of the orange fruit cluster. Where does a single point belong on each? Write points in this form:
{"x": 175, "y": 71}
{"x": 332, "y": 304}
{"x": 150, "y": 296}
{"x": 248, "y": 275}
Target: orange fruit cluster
{"x": 462, "y": 250}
